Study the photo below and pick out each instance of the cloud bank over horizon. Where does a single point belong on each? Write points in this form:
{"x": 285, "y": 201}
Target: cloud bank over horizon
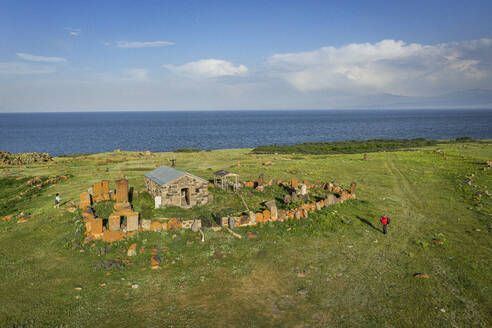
{"x": 388, "y": 66}
{"x": 327, "y": 77}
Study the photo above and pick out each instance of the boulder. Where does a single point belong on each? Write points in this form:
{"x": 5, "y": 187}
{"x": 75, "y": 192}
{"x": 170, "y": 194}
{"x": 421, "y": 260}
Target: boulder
{"x": 196, "y": 226}
{"x": 330, "y": 200}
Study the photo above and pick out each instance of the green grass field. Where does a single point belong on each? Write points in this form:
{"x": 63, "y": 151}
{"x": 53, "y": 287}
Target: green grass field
{"x": 335, "y": 269}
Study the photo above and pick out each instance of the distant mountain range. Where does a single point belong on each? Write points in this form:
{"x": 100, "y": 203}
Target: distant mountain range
{"x": 473, "y": 98}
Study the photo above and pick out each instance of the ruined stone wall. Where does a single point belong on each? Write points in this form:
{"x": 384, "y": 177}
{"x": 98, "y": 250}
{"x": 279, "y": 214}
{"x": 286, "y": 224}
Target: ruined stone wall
{"x": 171, "y": 193}
{"x": 153, "y": 188}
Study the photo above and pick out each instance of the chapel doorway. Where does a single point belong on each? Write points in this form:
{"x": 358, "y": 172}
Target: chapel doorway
{"x": 185, "y": 197}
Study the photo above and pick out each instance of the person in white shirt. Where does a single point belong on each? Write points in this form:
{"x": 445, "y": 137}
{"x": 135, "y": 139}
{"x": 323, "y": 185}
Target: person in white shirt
{"x": 57, "y": 200}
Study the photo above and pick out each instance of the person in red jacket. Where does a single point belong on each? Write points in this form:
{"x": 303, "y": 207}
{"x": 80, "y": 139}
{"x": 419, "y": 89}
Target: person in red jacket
{"x": 385, "y": 221}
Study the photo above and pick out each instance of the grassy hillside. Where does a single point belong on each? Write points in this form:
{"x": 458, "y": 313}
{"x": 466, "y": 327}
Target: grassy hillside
{"x": 334, "y": 269}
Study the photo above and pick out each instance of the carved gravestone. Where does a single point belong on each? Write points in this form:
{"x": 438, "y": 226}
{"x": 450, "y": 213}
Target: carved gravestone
{"x": 272, "y": 206}
{"x": 98, "y": 192}
{"x": 122, "y": 190}
{"x": 114, "y": 222}
{"x": 105, "y": 189}
{"x": 96, "y": 226}
{"x": 132, "y": 222}
{"x": 85, "y": 200}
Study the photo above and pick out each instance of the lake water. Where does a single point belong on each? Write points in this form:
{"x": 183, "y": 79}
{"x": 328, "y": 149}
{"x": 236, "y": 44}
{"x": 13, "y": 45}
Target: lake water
{"x": 66, "y": 133}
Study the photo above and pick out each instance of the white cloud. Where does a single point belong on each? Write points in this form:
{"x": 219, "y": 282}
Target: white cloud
{"x": 387, "y": 66}
{"x": 73, "y": 31}
{"x": 208, "y": 68}
{"x": 141, "y": 44}
{"x": 138, "y": 74}
{"x": 42, "y": 59}
{"x": 17, "y": 68}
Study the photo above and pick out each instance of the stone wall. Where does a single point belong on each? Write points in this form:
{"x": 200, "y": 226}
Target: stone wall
{"x": 171, "y": 193}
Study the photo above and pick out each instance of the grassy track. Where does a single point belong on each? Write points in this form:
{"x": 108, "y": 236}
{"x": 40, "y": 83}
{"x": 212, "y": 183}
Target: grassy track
{"x": 335, "y": 269}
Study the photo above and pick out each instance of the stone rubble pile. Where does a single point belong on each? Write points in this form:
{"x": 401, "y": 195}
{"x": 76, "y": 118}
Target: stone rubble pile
{"x": 7, "y": 158}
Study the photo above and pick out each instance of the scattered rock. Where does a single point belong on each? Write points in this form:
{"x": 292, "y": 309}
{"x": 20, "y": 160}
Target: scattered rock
{"x": 302, "y": 291}
{"x": 6, "y": 218}
{"x": 301, "y": 275}
{"x": 71, "y": 209}
{"x": 25, "y": 219}
{"x": 438, "y": 241}
{"x": 102, "y": 284}
{"x": 252, "y": 234}
{"x": 154, "y": 262}
{"x": 109, "y": 264}
{"x": 217, "y": 255}
{"x": 421, "y": 275}
{"x": 135, "y": 286}
{"x": 78, "y": 288}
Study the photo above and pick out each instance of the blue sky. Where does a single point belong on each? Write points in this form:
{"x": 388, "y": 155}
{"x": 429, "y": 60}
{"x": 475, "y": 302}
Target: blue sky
{"x": 172, "y": 55}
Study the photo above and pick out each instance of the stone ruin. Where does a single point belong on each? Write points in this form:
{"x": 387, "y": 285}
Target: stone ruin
{"x": 116, "y": 227}
{"x": 297, "y": 190}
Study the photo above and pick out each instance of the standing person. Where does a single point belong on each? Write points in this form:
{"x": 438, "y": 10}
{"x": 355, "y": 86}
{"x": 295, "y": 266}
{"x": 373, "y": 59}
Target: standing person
{"x": 385, "y": 221}
{"x": 57, "y": 200}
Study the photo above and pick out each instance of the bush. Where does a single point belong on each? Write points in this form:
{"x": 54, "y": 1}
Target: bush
{"x": 142, "y": 201}
{"x": 187, "y": 150}
{"x": 345, "y": 147}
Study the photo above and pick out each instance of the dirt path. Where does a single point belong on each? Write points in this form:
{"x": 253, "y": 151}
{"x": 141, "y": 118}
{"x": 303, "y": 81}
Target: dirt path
{"x": 412, "y": 205}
